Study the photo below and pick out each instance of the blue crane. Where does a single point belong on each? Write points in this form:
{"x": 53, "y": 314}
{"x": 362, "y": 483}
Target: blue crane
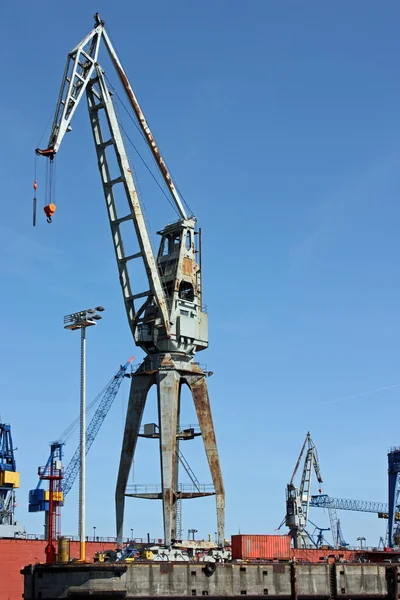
{"x": 325, "y": 501}
{"x": 107, "y": 398}
{"x": 93, "y": 428}
{"x": 9, "y": 477}
{"x": 393, "y": 474}
{"x": 382, "y": 509}
{"x": 340, "y": 539}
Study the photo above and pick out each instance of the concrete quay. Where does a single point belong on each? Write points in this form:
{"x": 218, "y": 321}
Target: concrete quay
{"x": 163, "y": 579}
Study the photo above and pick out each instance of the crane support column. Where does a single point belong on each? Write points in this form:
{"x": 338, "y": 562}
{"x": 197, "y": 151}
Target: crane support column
{"x": 168, "y": 385}
{"x": 198, "y": 387}
{"x": 137, "y": 399}
{"x": 169, "y": 373}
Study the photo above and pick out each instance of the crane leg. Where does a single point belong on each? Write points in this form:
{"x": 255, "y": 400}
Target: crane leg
{"x": 198, "y": 387}
{"x": 140, "y": 386}
{"x": 176, "y": 532}
{"x": 168, "y": 388}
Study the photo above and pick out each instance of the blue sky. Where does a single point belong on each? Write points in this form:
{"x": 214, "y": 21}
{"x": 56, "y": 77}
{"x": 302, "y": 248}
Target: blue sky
{"x": 279, "y": 121}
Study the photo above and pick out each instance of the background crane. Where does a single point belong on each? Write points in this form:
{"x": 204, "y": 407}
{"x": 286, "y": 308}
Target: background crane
{"x": 340, "y": 541}
{"x": 298, "y": 499}
{"x": 109, "y": 395}
{"x": 334, "y": 504}
{"x": 393, "y": 489}
{"x": 39, "y": 500}
{"x": 9, "y": 482}
{"x": 324, "y": 501}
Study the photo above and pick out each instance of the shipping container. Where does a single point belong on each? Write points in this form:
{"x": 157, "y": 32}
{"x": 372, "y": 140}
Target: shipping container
{"x": 315, "y": 555}
{"x": 261, "y": 547}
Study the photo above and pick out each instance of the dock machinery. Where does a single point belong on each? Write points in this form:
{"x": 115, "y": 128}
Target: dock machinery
{"x": 298, "y": 499}
{"x": 393, "y": 492}
{"x": 166, "y": 319}
{"x": 39, "y": 499}
{"x": 9, "y": 482}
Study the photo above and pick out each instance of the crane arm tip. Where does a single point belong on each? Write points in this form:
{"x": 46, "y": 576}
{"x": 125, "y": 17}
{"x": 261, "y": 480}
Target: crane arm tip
{"x": 49, "y": 152}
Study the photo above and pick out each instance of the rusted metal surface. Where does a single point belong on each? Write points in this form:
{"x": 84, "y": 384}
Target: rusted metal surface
{"x": 168, "y": 387}
{"x": 261, "y": 547}
{"x": 170, "y": 372}
{"x": 144, "y": 126}
{"x": 136, "y": 214}
{"x": 201, "y": 400}
{"x": 137, "y": 399}
{"x": 187, "y": 266}
{"x": 315, "y": 555}
{"x": 182, "y": 495}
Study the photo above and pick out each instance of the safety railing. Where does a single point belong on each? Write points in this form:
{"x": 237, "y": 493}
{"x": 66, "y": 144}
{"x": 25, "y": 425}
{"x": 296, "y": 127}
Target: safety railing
{"x": 155, "y": 488}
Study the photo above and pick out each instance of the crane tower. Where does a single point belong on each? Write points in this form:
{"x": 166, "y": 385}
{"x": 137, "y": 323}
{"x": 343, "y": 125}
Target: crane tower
{"x": 166, "y": 319}
{"x": 298, "y": 499}
{"x": 9, "y": 482}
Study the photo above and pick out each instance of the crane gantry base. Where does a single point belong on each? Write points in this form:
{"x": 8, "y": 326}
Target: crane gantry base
{"x": 169, "y": 372}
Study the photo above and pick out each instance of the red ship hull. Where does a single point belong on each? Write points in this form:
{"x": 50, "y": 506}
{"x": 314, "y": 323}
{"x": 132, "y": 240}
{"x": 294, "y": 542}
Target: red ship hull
{"x": 15, "y": 554}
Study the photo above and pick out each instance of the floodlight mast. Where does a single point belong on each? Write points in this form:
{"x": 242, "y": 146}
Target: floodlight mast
{"x": 169, "y": 324}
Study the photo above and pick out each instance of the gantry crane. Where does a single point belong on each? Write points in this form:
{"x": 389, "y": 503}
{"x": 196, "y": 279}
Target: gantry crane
{"x": 298, "y": 499}
{"x": 393, "y": 491}
{"x": 166, "y": 319}
{"x": 9, "y": 482}
{"x": 334, "y": 504}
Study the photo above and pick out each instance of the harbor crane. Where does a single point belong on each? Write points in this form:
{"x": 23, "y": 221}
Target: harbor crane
{"x": 393, "y": 491}
{"x": 298, "y": 499}
{"x": 167, "y": 319}
{"x": 382, "y": 509}
{"x": 9, "y": 482}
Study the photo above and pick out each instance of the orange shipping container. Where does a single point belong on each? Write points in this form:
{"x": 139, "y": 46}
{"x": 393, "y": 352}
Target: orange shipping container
{"x": 261, "y": 547}
{"x": 315, "y": 555}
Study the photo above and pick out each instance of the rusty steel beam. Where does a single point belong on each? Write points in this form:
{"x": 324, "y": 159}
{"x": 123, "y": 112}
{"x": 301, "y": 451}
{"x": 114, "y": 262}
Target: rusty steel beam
{"x": 169, "y": 375}
{"x": 144, "y": 126}
{"x": 140, "y": 385}
{"x": 168, "y": 398}
{"x": 198, "y": 387}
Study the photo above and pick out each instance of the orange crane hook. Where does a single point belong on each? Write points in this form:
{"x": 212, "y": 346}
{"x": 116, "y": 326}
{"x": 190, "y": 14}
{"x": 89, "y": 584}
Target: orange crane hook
{"x": 49, "y": 210}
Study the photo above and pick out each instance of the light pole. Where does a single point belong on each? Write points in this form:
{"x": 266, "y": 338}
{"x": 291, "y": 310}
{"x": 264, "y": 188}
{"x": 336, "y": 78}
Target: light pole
{"x": 192, "y": 531}
{"x": 81, "y": 320}
{"x": 131, "y": 534}
{"x": 361, "y": 540}
{"x": 94, "y": 533}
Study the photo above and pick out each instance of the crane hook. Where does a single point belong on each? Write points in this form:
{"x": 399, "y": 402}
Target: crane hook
{"x": 49, "y": 211}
